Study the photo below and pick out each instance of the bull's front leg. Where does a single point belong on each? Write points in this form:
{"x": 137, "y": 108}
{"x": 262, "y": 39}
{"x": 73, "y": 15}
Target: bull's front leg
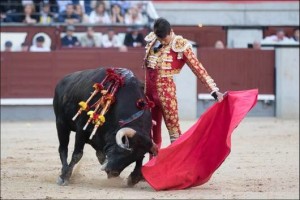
{"x": 136, "y": 175}
{"x": 64, "y": 178}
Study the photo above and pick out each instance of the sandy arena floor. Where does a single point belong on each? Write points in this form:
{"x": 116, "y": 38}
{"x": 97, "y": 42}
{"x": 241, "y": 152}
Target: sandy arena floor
{"x": 263, "y": 164}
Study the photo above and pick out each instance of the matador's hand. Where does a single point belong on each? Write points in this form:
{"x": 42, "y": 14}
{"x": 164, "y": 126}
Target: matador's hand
{"x": 220, "y": 96}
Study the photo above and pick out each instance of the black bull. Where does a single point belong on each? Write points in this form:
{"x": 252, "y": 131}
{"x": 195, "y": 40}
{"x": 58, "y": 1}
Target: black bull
{"x": 109, "y": 138}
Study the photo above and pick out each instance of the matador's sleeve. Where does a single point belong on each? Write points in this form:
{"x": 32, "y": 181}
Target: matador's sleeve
{"x": 184, "y": 50}
{"x": 199, "y": 70}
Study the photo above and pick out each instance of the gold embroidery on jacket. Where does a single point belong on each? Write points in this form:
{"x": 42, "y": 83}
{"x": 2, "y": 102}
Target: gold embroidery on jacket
{"x": 179, "y": 44}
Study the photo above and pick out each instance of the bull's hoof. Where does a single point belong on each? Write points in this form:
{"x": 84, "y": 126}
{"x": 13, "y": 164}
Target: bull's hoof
{"x": 131, "y": 181}
{"x": 62, "y": 182}
{"x": 143, "y": 179}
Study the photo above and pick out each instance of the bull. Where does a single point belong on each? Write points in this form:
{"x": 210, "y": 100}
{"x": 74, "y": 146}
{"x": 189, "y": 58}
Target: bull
{"x": 116, "y": 146}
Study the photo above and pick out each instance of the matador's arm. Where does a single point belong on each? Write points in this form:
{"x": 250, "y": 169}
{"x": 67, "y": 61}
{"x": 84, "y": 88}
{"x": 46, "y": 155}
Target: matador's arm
{"x": 184, "y": 50}
{"x": 199, "y": 70}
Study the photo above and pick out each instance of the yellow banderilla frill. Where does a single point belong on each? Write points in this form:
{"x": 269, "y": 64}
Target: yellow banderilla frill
{"x": 83, "y": 105}
{"x": 100, "y": 120}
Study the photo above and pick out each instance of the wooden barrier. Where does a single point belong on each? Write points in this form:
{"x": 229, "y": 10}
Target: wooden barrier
{"x": 34, "y": 75}
{"x": 239, "y": 69}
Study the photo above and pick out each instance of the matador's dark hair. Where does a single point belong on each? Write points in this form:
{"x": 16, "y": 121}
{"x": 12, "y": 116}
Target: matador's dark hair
{"x": 161, "y": 27}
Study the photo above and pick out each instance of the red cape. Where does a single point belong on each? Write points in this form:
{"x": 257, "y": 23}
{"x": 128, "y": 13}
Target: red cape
{"x": 193, "y": 158}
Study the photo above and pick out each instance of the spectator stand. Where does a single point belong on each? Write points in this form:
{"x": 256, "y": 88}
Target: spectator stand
{"x": 18, "y": 33}
{"x": 100, "y": 30}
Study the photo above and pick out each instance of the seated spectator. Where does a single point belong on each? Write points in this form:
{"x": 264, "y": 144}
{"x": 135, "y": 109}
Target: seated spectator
{"x": 140, "y": 5}
{"x": 110, "y": 39}
{"x": 8, "y": 46}
{"x": 39, "y": 45}
{"x": 123, "y": 48}
{"x": 87, "y": 6}
{"x": 54, "y": 9}
{"x": 99, "y": 15}
{"x": 278, "y": 37}
{"x": 134, "y": 17}
{"x": 24, "y": 2}
{"x": 134, "y": 38}
{"x": 10, "y": 10}
{"x": 219, "y": 45}
{"x": 46, "y": 17}
{"x": 69, "y": 40}
{"x": 295, "y": 36}
{"x": 256, "y": 44}
{"x": 5, "y": 17}
{"x": 116, "y": 17}
{"x": 24, "y": 47}
{"x": 83, "y": 18}
{"x": 62, "y": 5}
{"x": 52, "y": 4}
{"x": 10, "y": 6}
{"x": 68, "y": 16}
{"x": 28, "y": 16}
{"x": 90, "y": 39}
{"x": 124, "y": 5}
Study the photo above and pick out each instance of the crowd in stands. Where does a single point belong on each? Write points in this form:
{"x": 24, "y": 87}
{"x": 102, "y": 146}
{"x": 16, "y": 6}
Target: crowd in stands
{"x": 95, "y": 12}
{"x": 109, "y": 39}
{"x": 133, "y": 38}
{"x": 74, "y": 11}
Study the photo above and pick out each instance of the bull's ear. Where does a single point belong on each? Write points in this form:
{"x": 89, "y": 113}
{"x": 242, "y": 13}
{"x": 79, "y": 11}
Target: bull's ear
{"x": 147, "y": 143}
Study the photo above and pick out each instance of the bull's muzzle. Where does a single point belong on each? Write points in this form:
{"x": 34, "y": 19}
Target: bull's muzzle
{"x": 112, "y": 174}
{"x": 128, "y": 133}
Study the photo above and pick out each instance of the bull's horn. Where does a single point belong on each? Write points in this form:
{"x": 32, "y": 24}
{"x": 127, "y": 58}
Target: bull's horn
{"x": 128, "y": 133}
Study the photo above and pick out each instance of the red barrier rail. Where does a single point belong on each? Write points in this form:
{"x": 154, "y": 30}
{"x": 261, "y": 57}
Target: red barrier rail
{"x": 34, "y": 75}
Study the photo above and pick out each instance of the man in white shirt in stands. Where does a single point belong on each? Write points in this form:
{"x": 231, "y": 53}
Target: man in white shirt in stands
{"x": 279, "y": 37}
{"x": 110, "y": 39}
{"x": 39, "y": 45}
{"x": 90, "y": 39}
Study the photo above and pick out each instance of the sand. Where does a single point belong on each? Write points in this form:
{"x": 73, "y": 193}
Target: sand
{"x": 263, "y": 164}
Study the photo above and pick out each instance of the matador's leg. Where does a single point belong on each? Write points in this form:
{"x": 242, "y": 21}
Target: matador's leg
{"x": 167, "y": 95}
{"x": 157, "y": 117}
